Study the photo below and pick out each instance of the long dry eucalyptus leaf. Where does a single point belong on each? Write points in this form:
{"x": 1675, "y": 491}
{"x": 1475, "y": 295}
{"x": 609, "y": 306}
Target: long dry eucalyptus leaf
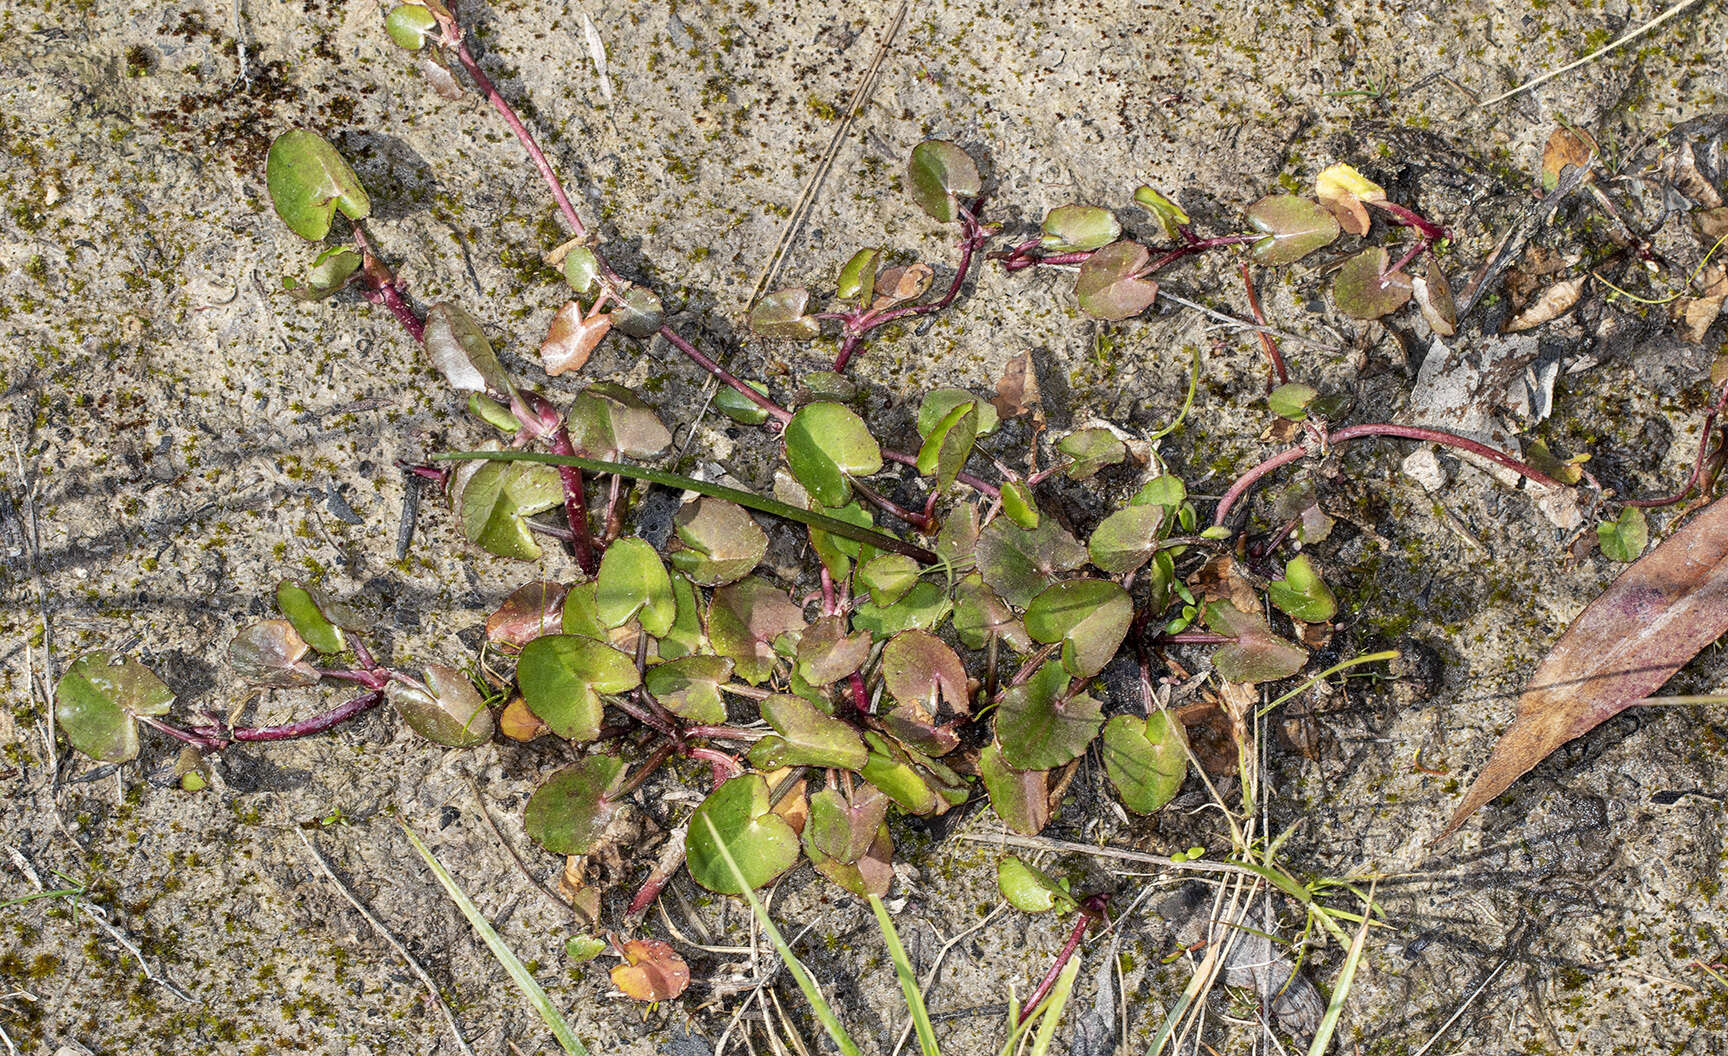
{"x": 1655, "y": 617}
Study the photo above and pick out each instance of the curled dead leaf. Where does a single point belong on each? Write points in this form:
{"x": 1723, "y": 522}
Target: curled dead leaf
{"x": 1017, "y": 393}
{"x": 1552, "y": 303}
{"x": 572, "y": 338}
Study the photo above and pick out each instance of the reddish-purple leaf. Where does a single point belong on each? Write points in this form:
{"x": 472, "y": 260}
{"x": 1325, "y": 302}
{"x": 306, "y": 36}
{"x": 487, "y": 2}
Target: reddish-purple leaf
{"x": 1624, "y": 645}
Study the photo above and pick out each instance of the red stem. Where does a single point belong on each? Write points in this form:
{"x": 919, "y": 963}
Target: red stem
{"x": 726, "y": 376}
{"x": 1075, "y": 934}
{"x": 1697, "y": 463}
{"x": 1267, "y": 341}
{"x": 525, "y": 137}
{"x": 971, "y": 238}
{"x": 1357, "y": 432}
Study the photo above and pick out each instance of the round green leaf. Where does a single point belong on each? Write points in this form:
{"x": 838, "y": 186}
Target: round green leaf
{"x": 1109, "y": 285}
{"x": 97, "y": 702}
{"x": 1040, "y": 726}
{"x": 721, "y": 542}
{"x": 1290, "y": 401}
{"x": 826, "y": 653}
{"x": 939, "y": 171}
{"x": 641, "y": 315}
{"x": 739, "y": 407}
{"x": 689, "y": 687}
{"x": 1021, "y": 798}
{"x": 562, "y": 677}
{"x": 611, "y": 422}
{"x": 447, "y": 710}
{"x": 888, "y": 577}
{"x": 746, "y": 619}
{"x": 979, "y": 614}
{"x": 922, "y": 607}
{"x": 1126, "y": 539}
{"x": 1090, "y": 617}
{"x": 326, "y": 277}
{"x": 1256, "y": 655}
{"x": 1295, "y": 227}
{"x": 938, "y": 403}
{"x": 1074, "y": 228}
{"x": 308, "y": 182}
{"x": 812, "y": 738}
{"x": 1017, "y": 562}
{"x": 1302, "y": 594}
{"x": 921, "y": 669}
{"x": 1145, "y": 759}
{"x": 782, "y": 314}
{"x": 825, "y": 445}
{"x": 762, "y": 844}
{"x": 1362, "y": 290}
{"x": 844, "y": 830}
{"x": 411, "y": 26}
{"x": 570, "y": 811}
{"x": 633, "y": 585}
{"x": 582, "y": 271}
{"x": 494, "y": 498}
{"x": 1091, "y": 450}
{"x": 1624, "y": 539}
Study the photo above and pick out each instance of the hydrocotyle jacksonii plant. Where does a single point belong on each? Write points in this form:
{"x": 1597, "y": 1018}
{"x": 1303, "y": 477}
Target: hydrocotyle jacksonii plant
{"x": 932, "y": 647}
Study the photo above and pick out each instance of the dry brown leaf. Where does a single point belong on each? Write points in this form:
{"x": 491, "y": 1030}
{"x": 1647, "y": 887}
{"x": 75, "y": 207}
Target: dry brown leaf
{"x": 520, "y": 724}
{"x": 1656, "y": 616}
{"x": 1434, "y": 298}
{"x": 530, "y": 611}
{"x": 1713, "y": 223}
{"x": 653, "y": 971}
{"x": 571, "y": 339}
{"x": 1693, "y": 315}
{"x": 1554, "y": 302}
{"x": 1566, "y": 146}
{"x": 1017, "y": 393}
{"x": 899, "y": 284}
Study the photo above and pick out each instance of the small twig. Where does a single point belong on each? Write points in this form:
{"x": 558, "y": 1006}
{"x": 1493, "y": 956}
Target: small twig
{"x": 389, "y": 937}
{"x": 813, "y": 186}
{"x": 1462, "y": 1005}
{"x": 1631, "y": 34}
{"x": 486, "y": 816}
{"x": 1243, "y": 324}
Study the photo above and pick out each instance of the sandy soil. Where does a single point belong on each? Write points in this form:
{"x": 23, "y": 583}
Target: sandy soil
{"x": 177, "y": 438}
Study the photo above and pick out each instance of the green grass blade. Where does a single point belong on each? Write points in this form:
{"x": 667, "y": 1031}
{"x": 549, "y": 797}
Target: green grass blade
{"x": 818, "y": 1005}
{"x": 1368, "y": 658}
{"x": 749, "y": 500}
{"x": 1341, "y": 990}
{"x": 1171, "y": 1021}
{"x": 512, "y": 964}
{"x": 908, "y": 980}
{"x": 1053, "y": 1005}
